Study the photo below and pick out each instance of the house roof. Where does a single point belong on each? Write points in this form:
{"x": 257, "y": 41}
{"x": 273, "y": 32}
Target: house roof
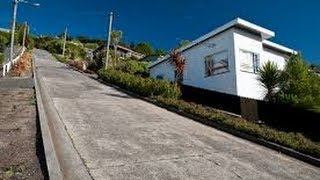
{"x": 151, "y": 58}
{"x": 240, "y": 23}
{"x": 129, "y": 50}
{"x": 278, "y": 47}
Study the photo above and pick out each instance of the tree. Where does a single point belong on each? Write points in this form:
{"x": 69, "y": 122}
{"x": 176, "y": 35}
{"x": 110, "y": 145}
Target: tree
{"x": 144, "y": 48}
{"x": 183, "y": 43}
{"x": 160, "y": 52}
{"x": 19, "y": 33}
{"x": 3, "y": 43}
{"x": 315, "y": 67}
{"x": 178, "y": 62}
{"x": 269, "y": 76}
{"x": 116, "y": 36}
{"x": 299, "y": 85}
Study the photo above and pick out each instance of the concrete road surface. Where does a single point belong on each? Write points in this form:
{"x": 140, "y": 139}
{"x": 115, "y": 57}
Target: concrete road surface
{"x": 121, "y": 137}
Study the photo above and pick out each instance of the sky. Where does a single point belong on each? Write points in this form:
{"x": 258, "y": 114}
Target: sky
{"x": 164, "y": 23}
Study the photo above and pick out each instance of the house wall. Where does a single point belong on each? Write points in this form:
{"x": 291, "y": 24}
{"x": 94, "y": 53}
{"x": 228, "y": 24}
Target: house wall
{"x": 164, "y": 70}
{"x": 235, "y": 81}
{"x": 247, "y": 83}
{"x": 194, "y": 74}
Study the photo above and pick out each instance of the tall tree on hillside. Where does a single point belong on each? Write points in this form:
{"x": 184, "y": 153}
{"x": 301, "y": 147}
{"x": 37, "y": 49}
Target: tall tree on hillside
{"x": 3, "y": 43}
{"x": 160, "y": 52}
{"x": 116, "y": 36}
{"x": 178, "y": 61}
{"x": 183, "y": 43}
{"x": 144, "y": 48}
{"x": 269, "y": 76}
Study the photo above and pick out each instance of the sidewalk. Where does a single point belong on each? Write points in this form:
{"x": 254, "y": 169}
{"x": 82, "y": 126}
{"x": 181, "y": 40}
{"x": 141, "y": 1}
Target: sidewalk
{"x": 116, "y": 136}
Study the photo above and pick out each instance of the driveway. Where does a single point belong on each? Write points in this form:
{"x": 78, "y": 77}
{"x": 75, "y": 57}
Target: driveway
{"x": 121, "y": 137}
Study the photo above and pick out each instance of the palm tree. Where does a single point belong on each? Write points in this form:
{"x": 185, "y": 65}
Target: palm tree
{"x": 178, "y": 62}
{"x": 269, "y": 76}
{"x": 116, "y": 36}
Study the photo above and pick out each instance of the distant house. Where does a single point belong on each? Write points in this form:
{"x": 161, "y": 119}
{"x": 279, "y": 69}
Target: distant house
{"x": 227, "y": 59}
{"x": 123, "y": 52}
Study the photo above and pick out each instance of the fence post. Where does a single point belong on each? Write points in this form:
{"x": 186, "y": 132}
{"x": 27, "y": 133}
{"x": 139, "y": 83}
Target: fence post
{"x": 249, "y": 109}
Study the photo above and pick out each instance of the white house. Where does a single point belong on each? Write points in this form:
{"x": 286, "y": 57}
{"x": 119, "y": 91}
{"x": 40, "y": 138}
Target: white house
{"x": 227, "y": 59}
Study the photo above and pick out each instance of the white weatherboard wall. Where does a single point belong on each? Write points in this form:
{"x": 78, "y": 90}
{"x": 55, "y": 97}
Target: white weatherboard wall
{"x": 235, "y": 81}
{"x": 247, "y": 83}
{"x": 195, "y": 67}
{"x": 164, "y": 70}
{"x": 194, "y": 74}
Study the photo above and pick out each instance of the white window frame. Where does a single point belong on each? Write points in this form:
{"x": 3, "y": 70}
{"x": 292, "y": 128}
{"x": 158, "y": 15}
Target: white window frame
{"x": 255, "y": 62}
{"x": 210, "y": 62}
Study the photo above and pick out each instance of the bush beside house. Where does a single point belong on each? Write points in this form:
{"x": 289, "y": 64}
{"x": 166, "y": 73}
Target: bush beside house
{"x": 296, "y": 85}
{"x": 143, "y": 86}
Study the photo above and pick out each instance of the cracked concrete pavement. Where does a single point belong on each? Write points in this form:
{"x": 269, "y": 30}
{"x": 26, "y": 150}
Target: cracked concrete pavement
{"x": 121, "y": 137}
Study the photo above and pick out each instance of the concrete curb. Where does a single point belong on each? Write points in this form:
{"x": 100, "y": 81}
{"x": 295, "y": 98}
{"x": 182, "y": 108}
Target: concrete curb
{"x": 279, "y": 148}
{"x": 62, "y": 159}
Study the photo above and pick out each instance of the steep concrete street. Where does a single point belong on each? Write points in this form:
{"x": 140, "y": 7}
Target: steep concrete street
{"x": 121, "y": 137}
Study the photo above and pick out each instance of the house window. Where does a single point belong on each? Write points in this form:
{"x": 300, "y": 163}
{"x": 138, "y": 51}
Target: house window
{"x": 249, "y": 61}
{"x": 159, "y": 77}
{"x": 216, "y": 63}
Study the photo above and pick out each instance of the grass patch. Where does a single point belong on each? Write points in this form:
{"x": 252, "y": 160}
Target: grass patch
{"x": 12, "y": 172}
{"x": 292, "y": 140}
{"x": 60, "y": 58}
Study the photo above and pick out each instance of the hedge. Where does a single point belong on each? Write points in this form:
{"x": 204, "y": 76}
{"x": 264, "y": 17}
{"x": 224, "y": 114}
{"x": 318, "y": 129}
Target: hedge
{"x": 143, "y": 86}
{"x": 292, "y": 140}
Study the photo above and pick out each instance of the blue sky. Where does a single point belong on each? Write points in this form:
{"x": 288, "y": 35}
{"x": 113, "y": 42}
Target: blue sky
{"x": 164, "y": 23}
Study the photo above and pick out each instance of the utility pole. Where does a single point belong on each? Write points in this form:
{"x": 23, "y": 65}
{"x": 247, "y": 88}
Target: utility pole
{"x": 14, "y": 19}
{"x": 13, "y": 27}
{"x": 108, "y": 43}
{"x": 65, "y": 41}
{"x": 24, "y": 35}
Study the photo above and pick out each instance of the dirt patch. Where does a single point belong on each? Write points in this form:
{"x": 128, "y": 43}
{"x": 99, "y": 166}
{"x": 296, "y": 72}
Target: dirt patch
{"x": 21, "y": 150}
{"x": 23, "y": 67}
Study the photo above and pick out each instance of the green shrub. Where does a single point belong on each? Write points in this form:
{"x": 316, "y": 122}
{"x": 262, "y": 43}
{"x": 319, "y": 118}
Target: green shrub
{"x": 75, "y": 51}
{"x": 30, "y": 43}
{"x": 142, "y": 86}
{"x": 1, "y": 58}
{"x": 300, "y": 86}
{"x": 3, "y": 42}
{"x": 54, "y": 46}
{"x": 133, "y": 67}
{"x": 92, "y": 46}
{"x": 292, "y": 140}
{"x": 60, "y": 58}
